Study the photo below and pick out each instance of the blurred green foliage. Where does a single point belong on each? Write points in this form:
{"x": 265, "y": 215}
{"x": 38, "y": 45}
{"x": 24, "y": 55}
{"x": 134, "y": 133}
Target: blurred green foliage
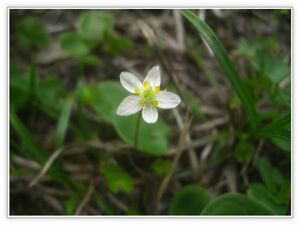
{"x": 235, "y": 204}
{"x": 161, "y": 166}
{"x": 95, "y": 25}
{"x": 74, "y": 45}
{"x": 70, "y": 207}
{"x": 31, "y": 33}
{"x": 269, "y": 67}
{"x": 116, "y": 178}
{"x": 274, "y": 192}
{"x": 190, "y": 200}
{"x": 244, "y": 150}
{"x": 95, "y": 29}
{"x": 196, "y": 200}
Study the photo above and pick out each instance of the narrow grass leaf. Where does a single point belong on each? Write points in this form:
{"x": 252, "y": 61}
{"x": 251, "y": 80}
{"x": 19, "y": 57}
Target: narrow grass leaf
{"x": 71, "y": 204}
{"x": 229, "y": 69}
{"x": 26, "y": 137}
{"x": 273, "y": 129}
{"x": 279, "y": 132}
{"x": 63, "y": 122}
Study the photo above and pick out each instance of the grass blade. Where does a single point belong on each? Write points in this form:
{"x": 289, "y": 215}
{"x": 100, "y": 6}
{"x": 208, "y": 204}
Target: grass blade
{"x": 229, "y": 69}
{"x": 63, "y": 122}
{"x": 277, "y": 129}
{"x": 278, "y": 124}
{"x": 29, "y": 142}
{"x": 71, "y": 204}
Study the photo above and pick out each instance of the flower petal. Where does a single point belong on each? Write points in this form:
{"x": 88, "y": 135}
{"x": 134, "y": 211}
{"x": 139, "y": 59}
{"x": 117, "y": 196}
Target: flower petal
{"x": 153, "y": 76}
{"x": 167, "y": 100}
{"x": 150, "y": 113}
{"x": 130, "y": 82}
{"x": 129, "y": 105}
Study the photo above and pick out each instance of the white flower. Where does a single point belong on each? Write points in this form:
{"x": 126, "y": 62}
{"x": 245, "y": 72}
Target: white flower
{"x": 147, "y": 96}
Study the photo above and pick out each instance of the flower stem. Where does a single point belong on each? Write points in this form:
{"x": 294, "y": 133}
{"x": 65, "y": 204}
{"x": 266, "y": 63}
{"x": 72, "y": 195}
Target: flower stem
{"x": 137, "y": 129}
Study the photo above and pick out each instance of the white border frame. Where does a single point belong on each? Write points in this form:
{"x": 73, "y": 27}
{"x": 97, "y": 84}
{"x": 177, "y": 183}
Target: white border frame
{"x": 133, "y": 7}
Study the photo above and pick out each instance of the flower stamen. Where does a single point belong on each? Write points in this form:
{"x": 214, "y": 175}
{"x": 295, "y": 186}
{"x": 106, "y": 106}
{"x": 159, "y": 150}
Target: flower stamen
{"x": 157, "y": 89}
{"x": 142, "y": 103}
{"x": 137, "y": 91}
{"x": 154, "y": 103}
{"x": 146, "y": 84}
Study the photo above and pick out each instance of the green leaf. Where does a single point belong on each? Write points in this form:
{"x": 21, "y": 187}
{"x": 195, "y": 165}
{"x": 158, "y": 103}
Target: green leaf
{"x": 95, "y": 25}
{"x": 247, "y": 50}
{"x": 63, "y": 122}
{"x": 190, "y": 200}
{"x": 89, "y": 59}
{"x": 152, "y": 138}
{"x": 277, "y": 129}
{"x": 258, "y": 52}
{"x": 282, "y": 144}
{"x": 74, "y": 45}
{"x": 71, "y": 204}
{"x": 269, "y": 66}
{"x": 30, "y": 32}
{"x": 276, "y": 69}
{"x": 284, "y": 193}
{"x": 278, "y": 124}
{"x": 105, "y": 99}
{"x": 276, "y": 192}
{"x": 229, "y": 69}
{"x": 270, "y": 175}
{"x": 260, "y": 193}
{"x": 161, "y": 166}
{"x": 117, "y": 179}
{"x": 119, "y": 44}
{"x": 235, "y": 204}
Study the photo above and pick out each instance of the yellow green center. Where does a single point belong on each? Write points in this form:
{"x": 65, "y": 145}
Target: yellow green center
{"x": 148, "y": 94}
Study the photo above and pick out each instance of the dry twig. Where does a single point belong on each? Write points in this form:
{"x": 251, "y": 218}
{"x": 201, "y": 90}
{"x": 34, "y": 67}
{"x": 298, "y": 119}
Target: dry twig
{"x": 85, "y": 199}
{"x": 211, "y": 124}
{"x": 46, "y": 167}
